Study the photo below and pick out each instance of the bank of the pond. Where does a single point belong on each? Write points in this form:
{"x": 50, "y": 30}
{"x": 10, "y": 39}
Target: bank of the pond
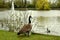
{"x": 4, "y": 35}
{"x": 4, "y": 9}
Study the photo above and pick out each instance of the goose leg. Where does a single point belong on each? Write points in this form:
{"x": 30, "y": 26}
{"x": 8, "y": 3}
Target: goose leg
{"x": 28, "y": 32}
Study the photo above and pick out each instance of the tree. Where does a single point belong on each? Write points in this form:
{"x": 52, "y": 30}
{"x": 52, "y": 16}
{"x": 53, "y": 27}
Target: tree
{"x": 1, "y": 3}
{"x": 46, "y": 5}
{"x": 42, "y": 4}
{"x": 58, "y": 3}
{"x": 4, "y": 4}
{"x": 20, "y": 3}
{"x": 17, "y": 3}
{"x": 30, "y": 5}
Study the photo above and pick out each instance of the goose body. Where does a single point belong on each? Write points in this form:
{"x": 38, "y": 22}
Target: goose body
{"x": 26, "y": 28}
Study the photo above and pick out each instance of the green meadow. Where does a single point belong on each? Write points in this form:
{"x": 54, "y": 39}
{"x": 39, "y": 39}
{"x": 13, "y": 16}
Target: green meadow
{"x": 4, "y": 35}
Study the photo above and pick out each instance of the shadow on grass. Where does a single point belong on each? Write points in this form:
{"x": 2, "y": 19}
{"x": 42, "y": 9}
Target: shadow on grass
{"x": 22, "y": 36}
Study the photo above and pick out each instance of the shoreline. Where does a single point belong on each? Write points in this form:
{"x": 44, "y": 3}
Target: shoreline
{"x": 24, "y": 9}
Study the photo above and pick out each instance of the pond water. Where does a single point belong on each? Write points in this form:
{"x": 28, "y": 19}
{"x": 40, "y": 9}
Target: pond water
{"x": 51, "y": 20}
{"x": 51, "y": 13}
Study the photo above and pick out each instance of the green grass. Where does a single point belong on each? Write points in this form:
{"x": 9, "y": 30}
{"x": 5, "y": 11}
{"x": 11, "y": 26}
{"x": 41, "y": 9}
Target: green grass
{"x": 4, "y": 35}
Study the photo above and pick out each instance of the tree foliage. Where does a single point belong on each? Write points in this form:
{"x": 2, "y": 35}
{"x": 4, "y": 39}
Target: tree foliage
{"x": 18, "y": 3}
{"x": 42, "y": 4}
{"x": 58, "y": 3}
{"x": 4, "y": 4}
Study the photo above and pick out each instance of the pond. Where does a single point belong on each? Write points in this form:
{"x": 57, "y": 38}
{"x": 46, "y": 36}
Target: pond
{"x": 51, "y": 13}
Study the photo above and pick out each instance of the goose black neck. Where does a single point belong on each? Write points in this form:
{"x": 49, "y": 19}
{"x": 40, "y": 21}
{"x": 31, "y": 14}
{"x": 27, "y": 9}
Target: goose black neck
{"x": 29, "y": 19}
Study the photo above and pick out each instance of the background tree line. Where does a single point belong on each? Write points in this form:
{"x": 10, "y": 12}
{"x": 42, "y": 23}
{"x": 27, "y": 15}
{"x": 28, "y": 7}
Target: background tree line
{"x": 55, "y": 5}
{"x": 36, "y": 4}
{"x": 4, "y": 4}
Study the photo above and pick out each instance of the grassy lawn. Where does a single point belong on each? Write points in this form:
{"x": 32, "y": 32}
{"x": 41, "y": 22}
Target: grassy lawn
{"x": 4, "y": 35}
